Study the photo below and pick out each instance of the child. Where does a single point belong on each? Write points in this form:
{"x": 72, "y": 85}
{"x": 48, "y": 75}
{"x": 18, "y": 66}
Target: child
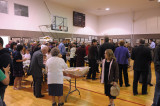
{"x": 110, "y": 74}
{"x": 27, "y": 55}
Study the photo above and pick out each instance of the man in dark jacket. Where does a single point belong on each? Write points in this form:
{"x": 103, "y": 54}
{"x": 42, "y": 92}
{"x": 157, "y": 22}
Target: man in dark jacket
{"x": 36, "y": 70}
{"x": 104, "y": 46}
{"x": 93, "y": 57}
{"x": 5, "y": 59}
{"x": 157, "y": 71}
{"x": 142, "y": 59}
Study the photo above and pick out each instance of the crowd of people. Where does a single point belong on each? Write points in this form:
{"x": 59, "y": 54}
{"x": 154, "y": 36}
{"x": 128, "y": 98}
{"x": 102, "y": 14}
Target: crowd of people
{"x": 113, "y": 58}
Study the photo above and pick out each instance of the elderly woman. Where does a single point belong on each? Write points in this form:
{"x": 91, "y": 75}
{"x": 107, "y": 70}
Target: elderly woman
{"x": 110, "y": 74}
{"x": 55, "y": 66}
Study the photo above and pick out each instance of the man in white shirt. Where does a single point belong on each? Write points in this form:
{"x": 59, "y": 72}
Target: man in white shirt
{"x": 152, "y": 45}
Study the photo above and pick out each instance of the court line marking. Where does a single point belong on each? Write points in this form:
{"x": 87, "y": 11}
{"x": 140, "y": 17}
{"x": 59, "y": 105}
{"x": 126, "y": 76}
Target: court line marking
{"x": 103, "y": 94}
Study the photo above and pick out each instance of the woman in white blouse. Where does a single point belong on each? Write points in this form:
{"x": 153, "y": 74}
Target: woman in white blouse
{"x": 72, "y": 56}
{"x": 55, "y": 66}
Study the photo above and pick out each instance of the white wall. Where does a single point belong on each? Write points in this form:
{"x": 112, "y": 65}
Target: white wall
{"x": 115, "y": 24}
{"x": 38, "y": 15}
{"x": 145, "y": 22}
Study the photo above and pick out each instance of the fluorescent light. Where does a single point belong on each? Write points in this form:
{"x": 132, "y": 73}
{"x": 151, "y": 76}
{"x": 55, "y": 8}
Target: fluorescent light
{"x": 107, "y": 9}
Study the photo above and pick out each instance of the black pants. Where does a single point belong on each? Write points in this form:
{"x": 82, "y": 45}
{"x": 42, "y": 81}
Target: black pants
{"x": 144, "y": 81}
{"x": 64, "y": 57}
{"x": 93, "y": 68}
{"x": 37, "y": 85}
{"x": 149, "y": 76}
{"x": 158, "y": 104}
{"x": 123, "y": 67}
{"x": 72, "y": 62}
{"x": 2, "y": 92}
{"x": 11, "y": 77}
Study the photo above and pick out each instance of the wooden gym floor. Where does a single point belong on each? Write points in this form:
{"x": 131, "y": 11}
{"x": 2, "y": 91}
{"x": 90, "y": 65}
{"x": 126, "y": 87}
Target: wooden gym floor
{"x": 92, "y": 94}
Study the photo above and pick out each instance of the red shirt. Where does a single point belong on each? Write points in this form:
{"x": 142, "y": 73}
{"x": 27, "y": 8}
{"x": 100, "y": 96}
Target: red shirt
{"x": 87, "y": 49}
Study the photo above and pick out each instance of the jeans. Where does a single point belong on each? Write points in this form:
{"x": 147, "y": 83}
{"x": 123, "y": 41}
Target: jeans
{"x": 64, "y": 57}
{"x": 157, "y": 89}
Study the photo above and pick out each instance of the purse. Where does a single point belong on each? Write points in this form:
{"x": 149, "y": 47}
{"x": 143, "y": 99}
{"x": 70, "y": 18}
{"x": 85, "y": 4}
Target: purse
{"x": 114, "y": 90}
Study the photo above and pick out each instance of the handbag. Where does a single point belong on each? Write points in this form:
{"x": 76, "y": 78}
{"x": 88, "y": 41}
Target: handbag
{"x": 114, "y": 90}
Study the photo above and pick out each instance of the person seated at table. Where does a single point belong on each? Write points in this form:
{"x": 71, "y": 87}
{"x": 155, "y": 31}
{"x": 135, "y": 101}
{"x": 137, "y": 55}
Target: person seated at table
{"x": 55, "y": 66}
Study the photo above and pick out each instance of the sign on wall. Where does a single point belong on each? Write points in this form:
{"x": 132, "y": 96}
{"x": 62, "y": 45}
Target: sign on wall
{"x": 21, "y": 10}
{"x": 3, "y": 6}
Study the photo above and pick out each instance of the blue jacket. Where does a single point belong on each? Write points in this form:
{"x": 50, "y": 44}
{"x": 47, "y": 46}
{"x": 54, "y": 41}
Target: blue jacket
{"x": 122, "y": 54}
{"x": 62, "y": 49}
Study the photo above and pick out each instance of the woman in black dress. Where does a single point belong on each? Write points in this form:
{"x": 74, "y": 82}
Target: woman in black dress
{"x": 18, "y": 67}
{"x": 110, "y": 74}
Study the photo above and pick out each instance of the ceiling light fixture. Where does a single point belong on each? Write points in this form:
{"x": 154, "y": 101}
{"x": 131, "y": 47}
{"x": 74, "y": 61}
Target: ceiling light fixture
{"x": 107, "y": 9}
{"x": 158, "y": 0}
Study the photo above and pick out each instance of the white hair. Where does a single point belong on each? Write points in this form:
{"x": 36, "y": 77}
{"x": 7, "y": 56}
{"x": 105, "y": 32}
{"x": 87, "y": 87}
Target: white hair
{"x": 43, "y": 47}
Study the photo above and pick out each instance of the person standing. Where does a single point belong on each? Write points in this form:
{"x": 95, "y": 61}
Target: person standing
{"x": 12, "y": 49}
{"x": 87, "y": 49}
{"x": 55, "y": 76}
{"x": 80, "y": 54}
{"x": 72, "y": 56}
{"x": 93, "y": 57}
{"x": 142, "y": 60}
{"x": 149, "y": 74}
{"x": 62, "y": 49}
{"x": 4, "y": 78}
{"x": 110, "y": 74}
{"x": 18, "y": 67}
{"x": 36, "y": 70}
{"x": 157, "y": 72}
{"x": 122, "y": 55}
{"x": 5, "y": 59}
{"x": 104, "y": 46}
{"x": 152, "y": 45}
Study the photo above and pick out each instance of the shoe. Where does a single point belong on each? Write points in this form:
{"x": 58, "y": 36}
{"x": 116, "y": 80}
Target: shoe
{"x": 60, "y": 104}
{"x": 21, "y": 87}
{"x": 150, "y": 84}
{"x": 135, "y": 93}
{"x": 94, "y": 78}
{"x": 41, "y": 96}
{"x": 144, "y": 93}
{"x": 88, "y": 78}
{"x": 128, "y": 85}
{"x": 15, "y": 88}
{"x": 111, "y": 105}
{"x": 54, "y": 104}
